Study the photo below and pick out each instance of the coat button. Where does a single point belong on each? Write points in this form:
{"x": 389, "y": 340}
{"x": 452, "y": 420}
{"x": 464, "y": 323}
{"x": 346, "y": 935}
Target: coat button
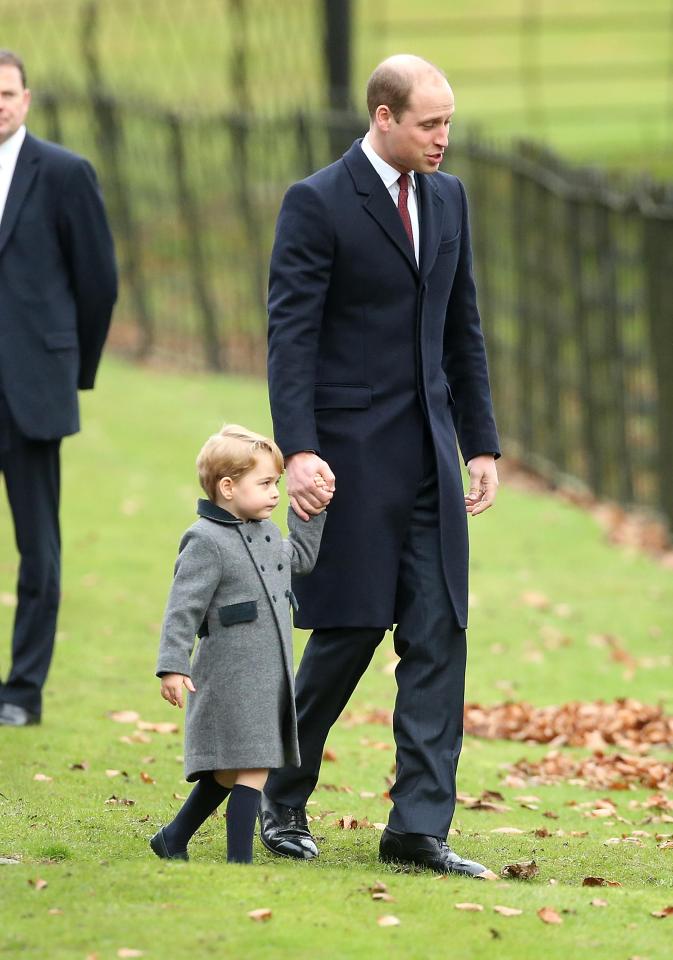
{"x": 280, "y": 566}
{"x": 249, "y": 539}
{"x": 267, "y": 538}
{"x": 274, "y": 597}
{"x": 262, "y": 567}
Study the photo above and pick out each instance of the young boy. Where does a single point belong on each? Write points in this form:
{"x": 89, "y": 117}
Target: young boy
{"x": 232, "y": 588}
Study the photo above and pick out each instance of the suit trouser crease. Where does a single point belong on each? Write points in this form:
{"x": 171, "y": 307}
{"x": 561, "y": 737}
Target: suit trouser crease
{"x": 428, "y": 715}
{"x": 31, "y": 471}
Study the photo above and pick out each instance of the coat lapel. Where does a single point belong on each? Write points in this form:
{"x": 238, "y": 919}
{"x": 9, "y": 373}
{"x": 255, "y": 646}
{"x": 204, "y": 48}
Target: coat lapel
{"x": 378, "y": 202}
{"x": 430, "y": 216}
{"x": 24, "y": 173}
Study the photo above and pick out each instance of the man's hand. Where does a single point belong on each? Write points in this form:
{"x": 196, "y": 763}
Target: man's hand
{"x": 171, "y": 687}
{"x": 307, "y": 496}
{"x": 483, "y": 484}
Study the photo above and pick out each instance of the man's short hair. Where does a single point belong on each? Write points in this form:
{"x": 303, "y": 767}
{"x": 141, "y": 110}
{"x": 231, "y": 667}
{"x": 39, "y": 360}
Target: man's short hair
{"x": 391, "y": 87}
{"x": 391, "y": 84}
{"x": 232, "y": 453}
{"x": 10, "y": 59}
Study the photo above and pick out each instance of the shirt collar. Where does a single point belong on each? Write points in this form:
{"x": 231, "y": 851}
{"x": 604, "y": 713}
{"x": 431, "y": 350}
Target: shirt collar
{"x": 9, "y": 150}
{"x": 388, "y": 174}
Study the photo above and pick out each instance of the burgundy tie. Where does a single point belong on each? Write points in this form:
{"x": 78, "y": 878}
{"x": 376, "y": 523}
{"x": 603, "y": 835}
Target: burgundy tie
{"x": 404, "y": 209}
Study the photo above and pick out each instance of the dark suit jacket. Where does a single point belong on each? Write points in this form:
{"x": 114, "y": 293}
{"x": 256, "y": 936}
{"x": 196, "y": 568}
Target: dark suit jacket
{"x": 58, "y": 284}
{"x": 363, "y": 348}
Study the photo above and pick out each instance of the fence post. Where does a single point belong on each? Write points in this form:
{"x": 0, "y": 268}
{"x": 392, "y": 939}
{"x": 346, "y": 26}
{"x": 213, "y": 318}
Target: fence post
{"x": 658, "y": 262}
{"x": 189, "y": 211}
{"x": 109, "y": 135}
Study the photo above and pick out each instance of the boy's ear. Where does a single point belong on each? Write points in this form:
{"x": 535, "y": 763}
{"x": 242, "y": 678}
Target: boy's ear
{"x": 226, "y": 487}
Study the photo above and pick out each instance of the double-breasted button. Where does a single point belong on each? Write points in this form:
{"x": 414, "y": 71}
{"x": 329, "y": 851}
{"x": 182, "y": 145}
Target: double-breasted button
{"x": 267, "y": 538}
{"x": 280, "y": 566}
{"x": 261, "y": 567}
{"x": 273, "y": 597}
{"x": 249, "y": 539}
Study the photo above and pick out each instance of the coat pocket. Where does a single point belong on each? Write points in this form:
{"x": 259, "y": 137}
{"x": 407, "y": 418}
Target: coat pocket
{"x": 342, "y": 396}
{"x": 238, "y": 613}
{"x": 447, "y": 245}
{"x": 61, "y": 340}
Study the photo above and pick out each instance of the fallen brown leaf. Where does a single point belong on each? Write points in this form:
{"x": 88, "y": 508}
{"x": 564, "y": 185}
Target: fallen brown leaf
{"x": 597, "y": 902}
{"x": 124, "y": 716}
{"x": 164, "y": 727}
{"x": 38, "y": 883}
{"x": 386, "y": 897}
{"x": 525, "y": 870}
{"x": 666, "y": 912}
{"x": 120, "y": 801}
{"x": 42, "y": 778}
{"x": 549, "y": 915}
{"x": 388, "y": 921}
{"x": 83, "y": 765}
{"x": 55, "y": 912}
{"x": 506, "y": 830}
{"x": 474, "y": 907}
{"x": 128, "y": 952}
{"x": 599, "y": 882}
{"x": 507, "y": 911}
{"x": 329, "y": 755}
{"x": 146, "y": 778}
{"x": 261, "y": 914}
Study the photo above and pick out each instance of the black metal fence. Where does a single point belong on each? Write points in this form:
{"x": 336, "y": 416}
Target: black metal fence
{"x": 575, "y": 272}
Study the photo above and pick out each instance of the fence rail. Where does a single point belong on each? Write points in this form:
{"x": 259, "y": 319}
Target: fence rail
{"x": 574, "y": 270}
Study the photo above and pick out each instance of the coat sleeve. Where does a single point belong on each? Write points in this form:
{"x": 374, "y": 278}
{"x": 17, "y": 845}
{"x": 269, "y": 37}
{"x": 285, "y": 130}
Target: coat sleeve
{"x": 464, "y": 358}
{"x": 89, "y": 252}
{"x": 303, "y": 542}
{"x": 299, "y": 277}
{"x": 198, "y": 571}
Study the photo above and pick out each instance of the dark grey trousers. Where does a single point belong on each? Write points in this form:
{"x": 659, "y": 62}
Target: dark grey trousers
{"x": 428, "y": 715}
{"x": 31, "y": 471}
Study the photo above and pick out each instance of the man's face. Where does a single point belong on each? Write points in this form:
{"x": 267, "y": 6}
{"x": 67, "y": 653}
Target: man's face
{"x": 14, "y": 101}
{"x": 418, "y": 140}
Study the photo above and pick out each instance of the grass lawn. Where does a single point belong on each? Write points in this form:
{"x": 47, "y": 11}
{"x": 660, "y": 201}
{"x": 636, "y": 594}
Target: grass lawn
{"x": 129, "y": 492}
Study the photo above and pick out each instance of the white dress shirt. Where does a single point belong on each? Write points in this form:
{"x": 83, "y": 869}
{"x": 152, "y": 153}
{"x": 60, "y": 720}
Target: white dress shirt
{"x": 390, "y": 177}
{"x": 9, "y": 152}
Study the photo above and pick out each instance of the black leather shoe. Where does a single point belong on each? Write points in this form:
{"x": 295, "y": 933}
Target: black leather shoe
{"x": 430, "y": 852}
{"x": 158, "y": 844}
{"x": 12, "y": 715}
{"x": 284, "y": 830}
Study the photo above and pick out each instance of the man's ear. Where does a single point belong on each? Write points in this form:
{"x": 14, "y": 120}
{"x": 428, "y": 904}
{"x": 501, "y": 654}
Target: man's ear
{"x": 226, "y": 487}
{"x": 383, "y": 117}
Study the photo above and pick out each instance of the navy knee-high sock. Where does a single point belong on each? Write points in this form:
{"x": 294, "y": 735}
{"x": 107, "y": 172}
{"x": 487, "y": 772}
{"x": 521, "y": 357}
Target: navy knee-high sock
{"x": 241, "y": 819}
{"x": 206, "y": 797}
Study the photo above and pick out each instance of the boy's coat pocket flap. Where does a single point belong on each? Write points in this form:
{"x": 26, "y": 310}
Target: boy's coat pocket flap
{"x": 238, "y": 613}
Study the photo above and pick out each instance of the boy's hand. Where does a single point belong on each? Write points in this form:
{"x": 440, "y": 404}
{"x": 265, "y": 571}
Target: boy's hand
{"x": 171, "y": 687}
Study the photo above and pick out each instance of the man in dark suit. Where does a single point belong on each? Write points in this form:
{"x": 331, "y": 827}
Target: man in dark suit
{"x": 58, "y": 284}
{"x": 376, "y": 362}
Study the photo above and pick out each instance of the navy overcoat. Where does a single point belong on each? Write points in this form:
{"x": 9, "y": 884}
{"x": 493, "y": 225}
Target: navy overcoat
{"x": 364, "y": 347}
{"x": 58, "y": 284}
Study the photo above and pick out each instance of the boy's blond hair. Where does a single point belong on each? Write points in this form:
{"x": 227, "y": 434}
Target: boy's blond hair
{"x": 232, "y": 453}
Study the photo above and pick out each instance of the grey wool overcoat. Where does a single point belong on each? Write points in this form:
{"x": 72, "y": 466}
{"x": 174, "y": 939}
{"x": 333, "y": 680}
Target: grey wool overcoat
{"x": 232, "y": 589}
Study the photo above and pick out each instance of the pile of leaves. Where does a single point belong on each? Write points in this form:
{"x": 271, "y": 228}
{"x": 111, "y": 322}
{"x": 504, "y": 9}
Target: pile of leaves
{"x": 617, "y": 771}
{"x": 624, "y": 723}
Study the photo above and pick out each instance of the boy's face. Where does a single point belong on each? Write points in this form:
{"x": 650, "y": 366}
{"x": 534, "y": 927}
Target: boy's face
{"x": 254, "y": 496}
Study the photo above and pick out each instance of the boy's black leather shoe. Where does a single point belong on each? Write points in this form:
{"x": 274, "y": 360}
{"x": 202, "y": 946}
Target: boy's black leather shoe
{"x": 420, "y": 850}
{"x": 158, "y": 844}
{"x": 284, "y": 830}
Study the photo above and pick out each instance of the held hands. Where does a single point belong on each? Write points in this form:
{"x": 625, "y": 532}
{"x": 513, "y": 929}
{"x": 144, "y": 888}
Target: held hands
{"x": 483, "y": 484}
{"x": 310, "y": 484}
{"x": 171, "y": 687}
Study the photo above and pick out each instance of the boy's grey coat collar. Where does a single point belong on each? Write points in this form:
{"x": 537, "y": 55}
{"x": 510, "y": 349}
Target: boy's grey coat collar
{"x": 210, "y": 511}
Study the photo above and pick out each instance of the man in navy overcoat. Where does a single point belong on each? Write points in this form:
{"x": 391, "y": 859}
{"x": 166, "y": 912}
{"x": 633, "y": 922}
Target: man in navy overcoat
{"x": 58, "y": 284}
{"x": 376, "y": 363}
